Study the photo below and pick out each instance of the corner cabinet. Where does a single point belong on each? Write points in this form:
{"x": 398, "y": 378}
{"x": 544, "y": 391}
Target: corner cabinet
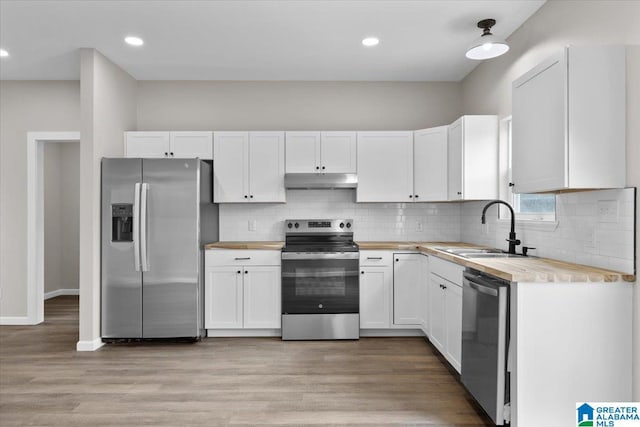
{"x": 178, "y": 144}
{"x": 472, "y": 158}
{"x": 568, "y": 123}
{"x": 242, "y": 289}
{"x": 320, "y": 152}
{"x": 248, "y": 167}
{"x": 385, "y": 166}
{"x": 407, "y": 274}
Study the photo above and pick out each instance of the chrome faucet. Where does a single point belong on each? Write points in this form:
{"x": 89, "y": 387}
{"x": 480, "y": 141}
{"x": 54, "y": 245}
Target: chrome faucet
{"x": 513, "y": 242}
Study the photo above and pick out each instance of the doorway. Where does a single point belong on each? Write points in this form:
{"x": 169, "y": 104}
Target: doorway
{"x": 36, "y": 158}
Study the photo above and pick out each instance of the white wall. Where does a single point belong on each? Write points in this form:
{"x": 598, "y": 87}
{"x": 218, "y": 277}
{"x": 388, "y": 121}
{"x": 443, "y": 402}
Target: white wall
{"x": 440, "y": 222}
{"x": 210, "y": 105}
{"x": 487, "y": 89}
{"x": 25, "y": 106}
{"x": 61, "y": 209}
{"x": 108, "y": 105}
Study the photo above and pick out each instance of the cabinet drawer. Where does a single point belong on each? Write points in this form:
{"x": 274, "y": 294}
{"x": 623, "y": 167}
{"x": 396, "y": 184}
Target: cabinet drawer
{"x": 221, "y": 257}
{"x": 376, "y": 258}
{"x": 446, "y": 269}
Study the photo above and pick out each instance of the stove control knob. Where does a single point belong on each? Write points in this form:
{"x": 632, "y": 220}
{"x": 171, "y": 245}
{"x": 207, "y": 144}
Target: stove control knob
{"x": 348, "y": 225}
{"x": 342, "y": 225}
{"x": 289, "y": 225}
{"x": 297, "y": 225}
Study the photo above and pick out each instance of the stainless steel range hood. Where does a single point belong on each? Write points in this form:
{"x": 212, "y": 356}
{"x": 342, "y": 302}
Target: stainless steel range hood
{"x": 320, "y": 181}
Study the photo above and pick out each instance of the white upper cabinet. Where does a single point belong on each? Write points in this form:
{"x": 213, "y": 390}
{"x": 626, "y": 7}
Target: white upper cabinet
{"x": 430, "y": 164}
{"x": 385, "y": 166}
{"x": 323, "y": 152}
{"x": 473, "y": 158}
{"x": 248, "y": 167}
{"x": 182, "y": 144}
{"x": 568, "y": 122}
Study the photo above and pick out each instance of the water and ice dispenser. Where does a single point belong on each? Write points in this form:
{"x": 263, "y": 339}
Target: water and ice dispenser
{"x": 122, "y": 222}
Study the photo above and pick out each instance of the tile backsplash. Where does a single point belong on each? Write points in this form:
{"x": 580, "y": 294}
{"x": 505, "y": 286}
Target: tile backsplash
{"x": 588, "y": 230}
{"x": 372, "y": 221}
{"x": 584, "y": 232}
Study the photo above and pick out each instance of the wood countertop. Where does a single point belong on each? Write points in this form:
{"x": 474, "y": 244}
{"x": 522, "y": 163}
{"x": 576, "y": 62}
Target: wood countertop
{"x": 245, "y": 245}
{"x": 522, "y": 269}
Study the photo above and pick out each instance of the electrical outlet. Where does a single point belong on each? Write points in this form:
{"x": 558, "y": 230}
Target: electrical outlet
{"x": 419, "y": 226}
{"x": 252, "y": 225}
{"x": 607, "y": 211}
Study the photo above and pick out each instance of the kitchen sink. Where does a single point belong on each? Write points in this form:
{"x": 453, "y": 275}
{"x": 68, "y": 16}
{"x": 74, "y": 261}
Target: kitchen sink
{"x": 479, "y": 253}
{"x": 491, "y": 255}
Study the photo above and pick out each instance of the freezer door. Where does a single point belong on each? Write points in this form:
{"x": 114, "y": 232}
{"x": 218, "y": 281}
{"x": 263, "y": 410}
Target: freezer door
{"x": 121, "y": 278}
{"x": 170, "y": 247}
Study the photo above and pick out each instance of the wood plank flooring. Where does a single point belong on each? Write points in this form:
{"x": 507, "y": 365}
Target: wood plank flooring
{"x": 222, "y": 381}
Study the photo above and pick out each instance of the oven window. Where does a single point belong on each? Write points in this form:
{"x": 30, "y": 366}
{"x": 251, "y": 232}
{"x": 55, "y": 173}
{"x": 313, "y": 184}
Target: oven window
{"x": 318, "y": 282}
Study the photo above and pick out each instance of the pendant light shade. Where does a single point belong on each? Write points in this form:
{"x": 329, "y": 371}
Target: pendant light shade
{"x": 487, "y": 45}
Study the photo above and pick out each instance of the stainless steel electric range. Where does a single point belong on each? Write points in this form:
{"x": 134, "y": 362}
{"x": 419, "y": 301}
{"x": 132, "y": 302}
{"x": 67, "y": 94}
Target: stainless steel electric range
{"x": 320, "y": 281}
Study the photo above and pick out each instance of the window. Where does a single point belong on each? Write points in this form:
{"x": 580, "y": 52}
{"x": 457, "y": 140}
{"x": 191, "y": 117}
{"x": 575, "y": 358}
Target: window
{"x": 528, "y": 207}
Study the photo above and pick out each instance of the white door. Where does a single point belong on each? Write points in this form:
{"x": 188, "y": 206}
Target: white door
{"x": 230, "y": 172}
{"x": 406, "y": 289}
{"x": 385, "y": 166}
{"x": 453, "y": 313}
{"x": 189, "y": 145}
{"x": 266, "y": 167}
{"x": 146, "y": 144}
{"x": 424, "y": 293}
{"x": 454, "y": 162}
{"x": 262, "y": 297}
{"x": 375, "y": 285}
{"x": 302, "y": 152}
{"x": 437, "y": 333}
{"x": 430, "y": 164}
{"x": 223, "y": 297}
{"x": 338, "y": 152}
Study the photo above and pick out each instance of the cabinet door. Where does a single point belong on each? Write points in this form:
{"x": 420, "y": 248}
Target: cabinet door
{"x": 188, "y": 145}
{"x": 453, "y": 314}
{"x": 338, "y": 152}
{"x": 302, "y": 152}
{"x": 375, "y": 287}
{"x": 430, "y": 164}
{"x": 262, "y": 297}
{"x": 230, "y": 152}
{"x": 223, "y": 297}
{"x": 148, "y": 145}
{"x": 437, "y": 333}
{"x": 406, "y": 289}
{"x": 266, "y": 167}
{"x": 538, "y": 128}
{"x": 424, "y": 293}
{"x": 454, "y": 160}
{"x": 385, "y": 166}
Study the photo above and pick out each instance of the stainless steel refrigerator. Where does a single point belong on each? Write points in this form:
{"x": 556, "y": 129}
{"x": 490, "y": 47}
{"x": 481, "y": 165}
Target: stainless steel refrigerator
{"x": 156, "y": 216}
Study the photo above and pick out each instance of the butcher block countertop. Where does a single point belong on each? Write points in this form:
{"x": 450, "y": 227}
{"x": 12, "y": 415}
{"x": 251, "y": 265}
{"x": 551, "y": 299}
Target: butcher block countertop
{"x": 522, "y": 269}
{"x": 245, "y": 245}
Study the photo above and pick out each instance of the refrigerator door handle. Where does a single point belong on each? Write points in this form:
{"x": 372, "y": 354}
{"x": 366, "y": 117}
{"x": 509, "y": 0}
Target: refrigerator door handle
{"x": 136, "y": 226}
{"x": 143, "y": 227}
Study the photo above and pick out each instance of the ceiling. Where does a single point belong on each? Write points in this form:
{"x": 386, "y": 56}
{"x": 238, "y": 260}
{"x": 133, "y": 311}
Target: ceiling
{"x": 420, "y": 40}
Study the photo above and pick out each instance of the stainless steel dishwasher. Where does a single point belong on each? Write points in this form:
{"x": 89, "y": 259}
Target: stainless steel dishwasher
{"x": 485, "y": 342}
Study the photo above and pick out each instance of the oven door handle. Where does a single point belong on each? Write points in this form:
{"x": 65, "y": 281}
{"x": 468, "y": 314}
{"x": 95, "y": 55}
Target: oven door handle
{"x": 310, "y": 255}
{"x": 322, "y": 274}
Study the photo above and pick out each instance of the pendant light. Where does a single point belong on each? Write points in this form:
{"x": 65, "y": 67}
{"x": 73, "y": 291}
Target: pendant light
{"x": 487, "y": 45}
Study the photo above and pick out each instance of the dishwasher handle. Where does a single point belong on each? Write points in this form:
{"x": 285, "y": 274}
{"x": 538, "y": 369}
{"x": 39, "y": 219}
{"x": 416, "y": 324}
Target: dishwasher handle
{"x": 482, "y": 288}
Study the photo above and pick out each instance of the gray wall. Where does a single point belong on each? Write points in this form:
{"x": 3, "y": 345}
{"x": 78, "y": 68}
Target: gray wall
{"x": 210, "y": 105}
{"x": 25, "y": 106}
{"x": 487, "y": 90}
{"x": 61, "y": 209}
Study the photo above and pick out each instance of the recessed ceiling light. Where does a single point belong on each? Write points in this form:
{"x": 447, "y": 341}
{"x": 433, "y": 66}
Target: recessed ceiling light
{"x": 134, "y": 41}
{"x": 3, "y": 53}
{"x": 370, "y": 41}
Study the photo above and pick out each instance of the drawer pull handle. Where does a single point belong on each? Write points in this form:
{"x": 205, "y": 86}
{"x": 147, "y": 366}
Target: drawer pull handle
{"x": 374, "y": 257}
{"x": 242, "y": 258}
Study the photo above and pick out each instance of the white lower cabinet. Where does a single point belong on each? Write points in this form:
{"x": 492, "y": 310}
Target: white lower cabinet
{"x": 445, "y": 309}
{"x": 407, "y": 269}
{"x": 376, "y": 283}
{"x": 424, "y": 293}
{"x": 241, "y": 295}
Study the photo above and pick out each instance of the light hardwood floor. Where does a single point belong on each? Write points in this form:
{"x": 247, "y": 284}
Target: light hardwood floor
{"x": 222, "y": 381}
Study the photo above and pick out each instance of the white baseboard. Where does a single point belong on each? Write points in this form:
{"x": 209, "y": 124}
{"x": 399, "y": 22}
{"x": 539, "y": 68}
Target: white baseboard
{"x": 244, "y": 332}
{"x": 391, "y": 333}
{"x": 15, "y": 320}
{"x": 89, "y": 345}
{"x": 58, "y": 292}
